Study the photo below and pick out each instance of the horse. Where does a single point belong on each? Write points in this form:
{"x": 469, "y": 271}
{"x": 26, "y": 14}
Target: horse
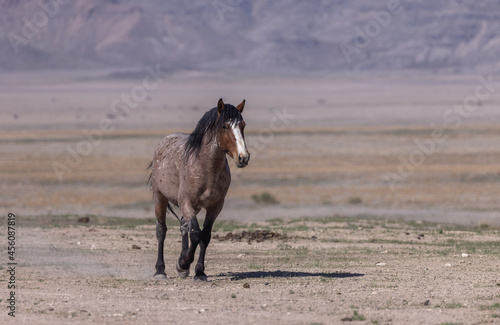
{"x": 191, "y": 171}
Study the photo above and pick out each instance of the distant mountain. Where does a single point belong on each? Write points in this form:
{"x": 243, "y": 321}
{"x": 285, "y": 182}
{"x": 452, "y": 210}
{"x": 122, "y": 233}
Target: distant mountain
{"x": 256, "y": 35}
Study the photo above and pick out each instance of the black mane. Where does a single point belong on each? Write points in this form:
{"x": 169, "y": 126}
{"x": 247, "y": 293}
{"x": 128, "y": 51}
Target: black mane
{"x": 208, "y": 126}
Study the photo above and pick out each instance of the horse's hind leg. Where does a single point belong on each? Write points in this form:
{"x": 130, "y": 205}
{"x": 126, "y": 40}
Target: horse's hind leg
{"x": 161, "y": 204}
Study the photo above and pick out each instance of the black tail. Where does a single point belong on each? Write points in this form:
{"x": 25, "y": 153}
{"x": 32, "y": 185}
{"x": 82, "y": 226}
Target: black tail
{"x": 169, "y": 207}
{"x": 149, "y": 185}
{"x": 149, "y": 169}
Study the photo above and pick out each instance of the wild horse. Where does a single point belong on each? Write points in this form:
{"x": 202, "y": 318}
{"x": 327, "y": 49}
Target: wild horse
{"x": 191, "y": 172}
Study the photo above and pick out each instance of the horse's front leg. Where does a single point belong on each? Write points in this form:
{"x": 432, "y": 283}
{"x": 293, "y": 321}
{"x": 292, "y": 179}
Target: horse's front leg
{"x": 184, "y": 272}
{"x": 189, "y": 229}
{"x": 206, "y": 235}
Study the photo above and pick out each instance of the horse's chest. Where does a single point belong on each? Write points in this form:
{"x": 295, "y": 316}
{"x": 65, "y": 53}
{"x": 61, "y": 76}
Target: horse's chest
{"x": 209, "y": 189}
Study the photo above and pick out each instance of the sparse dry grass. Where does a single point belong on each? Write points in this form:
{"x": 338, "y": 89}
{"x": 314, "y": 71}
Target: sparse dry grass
{"x": 299, "y": 166}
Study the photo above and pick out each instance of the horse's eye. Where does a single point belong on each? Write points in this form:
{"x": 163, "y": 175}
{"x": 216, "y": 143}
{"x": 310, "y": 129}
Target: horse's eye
{"x": 225, "y": 126}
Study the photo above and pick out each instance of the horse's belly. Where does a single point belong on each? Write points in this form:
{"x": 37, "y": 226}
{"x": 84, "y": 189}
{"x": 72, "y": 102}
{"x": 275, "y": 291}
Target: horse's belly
{"x": 167, "y": 181}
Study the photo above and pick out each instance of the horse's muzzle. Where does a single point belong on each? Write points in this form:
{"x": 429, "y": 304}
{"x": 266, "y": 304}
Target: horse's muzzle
{"x": 243, "y": 160}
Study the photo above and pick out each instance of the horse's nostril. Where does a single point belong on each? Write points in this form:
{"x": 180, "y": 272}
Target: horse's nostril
{"x": 243, "y": 160}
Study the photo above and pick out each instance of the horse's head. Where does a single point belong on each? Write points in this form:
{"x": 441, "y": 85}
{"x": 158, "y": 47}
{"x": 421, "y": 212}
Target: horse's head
{"x": 231, "y": 137}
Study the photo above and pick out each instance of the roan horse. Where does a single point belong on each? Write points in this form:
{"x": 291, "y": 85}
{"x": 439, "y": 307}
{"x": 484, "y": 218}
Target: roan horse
{"x": 191, "y": 171}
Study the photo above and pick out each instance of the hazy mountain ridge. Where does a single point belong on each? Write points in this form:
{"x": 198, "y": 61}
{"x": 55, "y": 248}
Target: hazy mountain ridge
{"x": 250, "y": 35}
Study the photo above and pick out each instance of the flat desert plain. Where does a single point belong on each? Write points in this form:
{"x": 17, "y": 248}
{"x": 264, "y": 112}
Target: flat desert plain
{"x": 368, "y": 199}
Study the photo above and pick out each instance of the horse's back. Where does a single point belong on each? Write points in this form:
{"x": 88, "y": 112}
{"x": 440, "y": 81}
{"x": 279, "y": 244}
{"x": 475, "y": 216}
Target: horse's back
{"x": 170, "y": 146}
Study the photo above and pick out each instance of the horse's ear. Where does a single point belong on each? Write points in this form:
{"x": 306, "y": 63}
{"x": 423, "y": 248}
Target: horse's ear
{"x": 241, "y": 106}
{"x": 220, "y": 106}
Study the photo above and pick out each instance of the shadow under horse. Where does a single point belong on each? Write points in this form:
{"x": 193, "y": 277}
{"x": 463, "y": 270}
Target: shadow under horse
{"x": 191, "y": 172}
{"x": 286, "y": 274}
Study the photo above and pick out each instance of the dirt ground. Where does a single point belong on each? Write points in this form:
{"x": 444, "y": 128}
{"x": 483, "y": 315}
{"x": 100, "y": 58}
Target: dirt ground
{"x": 305, "y": 271}
{"x": 336, "y": 242}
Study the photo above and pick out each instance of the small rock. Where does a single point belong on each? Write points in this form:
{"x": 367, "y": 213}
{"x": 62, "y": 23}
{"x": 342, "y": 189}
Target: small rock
{"x": 93, "y": 247}
{"x": 427, "y": 302}
{"x": 84, "y": 219}
{"x": 380, "y": 264}
{"x": 51, "y": 309}
{"x": 447, "y": 264}
{"x": 465, "y": 255}
{"x": 136, "y": 247}
{"x": 346, "y": 319}
{"x": 246, "y": 286}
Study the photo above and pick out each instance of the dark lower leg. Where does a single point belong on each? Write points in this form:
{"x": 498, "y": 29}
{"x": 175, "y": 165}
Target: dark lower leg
{"x": 206, "y": 235}
{"x": 161, "y": 232}
{"x": 184, "y": 236}
{"x": 194, "y": 232}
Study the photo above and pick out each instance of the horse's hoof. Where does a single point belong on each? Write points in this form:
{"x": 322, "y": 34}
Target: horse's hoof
{"x": 200, "y": 278}
{"x": 159, "y": 276}
{"x": 181, "y": 272}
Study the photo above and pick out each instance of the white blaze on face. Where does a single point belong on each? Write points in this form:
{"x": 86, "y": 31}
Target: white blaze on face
{"x": 240, "y": 142}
